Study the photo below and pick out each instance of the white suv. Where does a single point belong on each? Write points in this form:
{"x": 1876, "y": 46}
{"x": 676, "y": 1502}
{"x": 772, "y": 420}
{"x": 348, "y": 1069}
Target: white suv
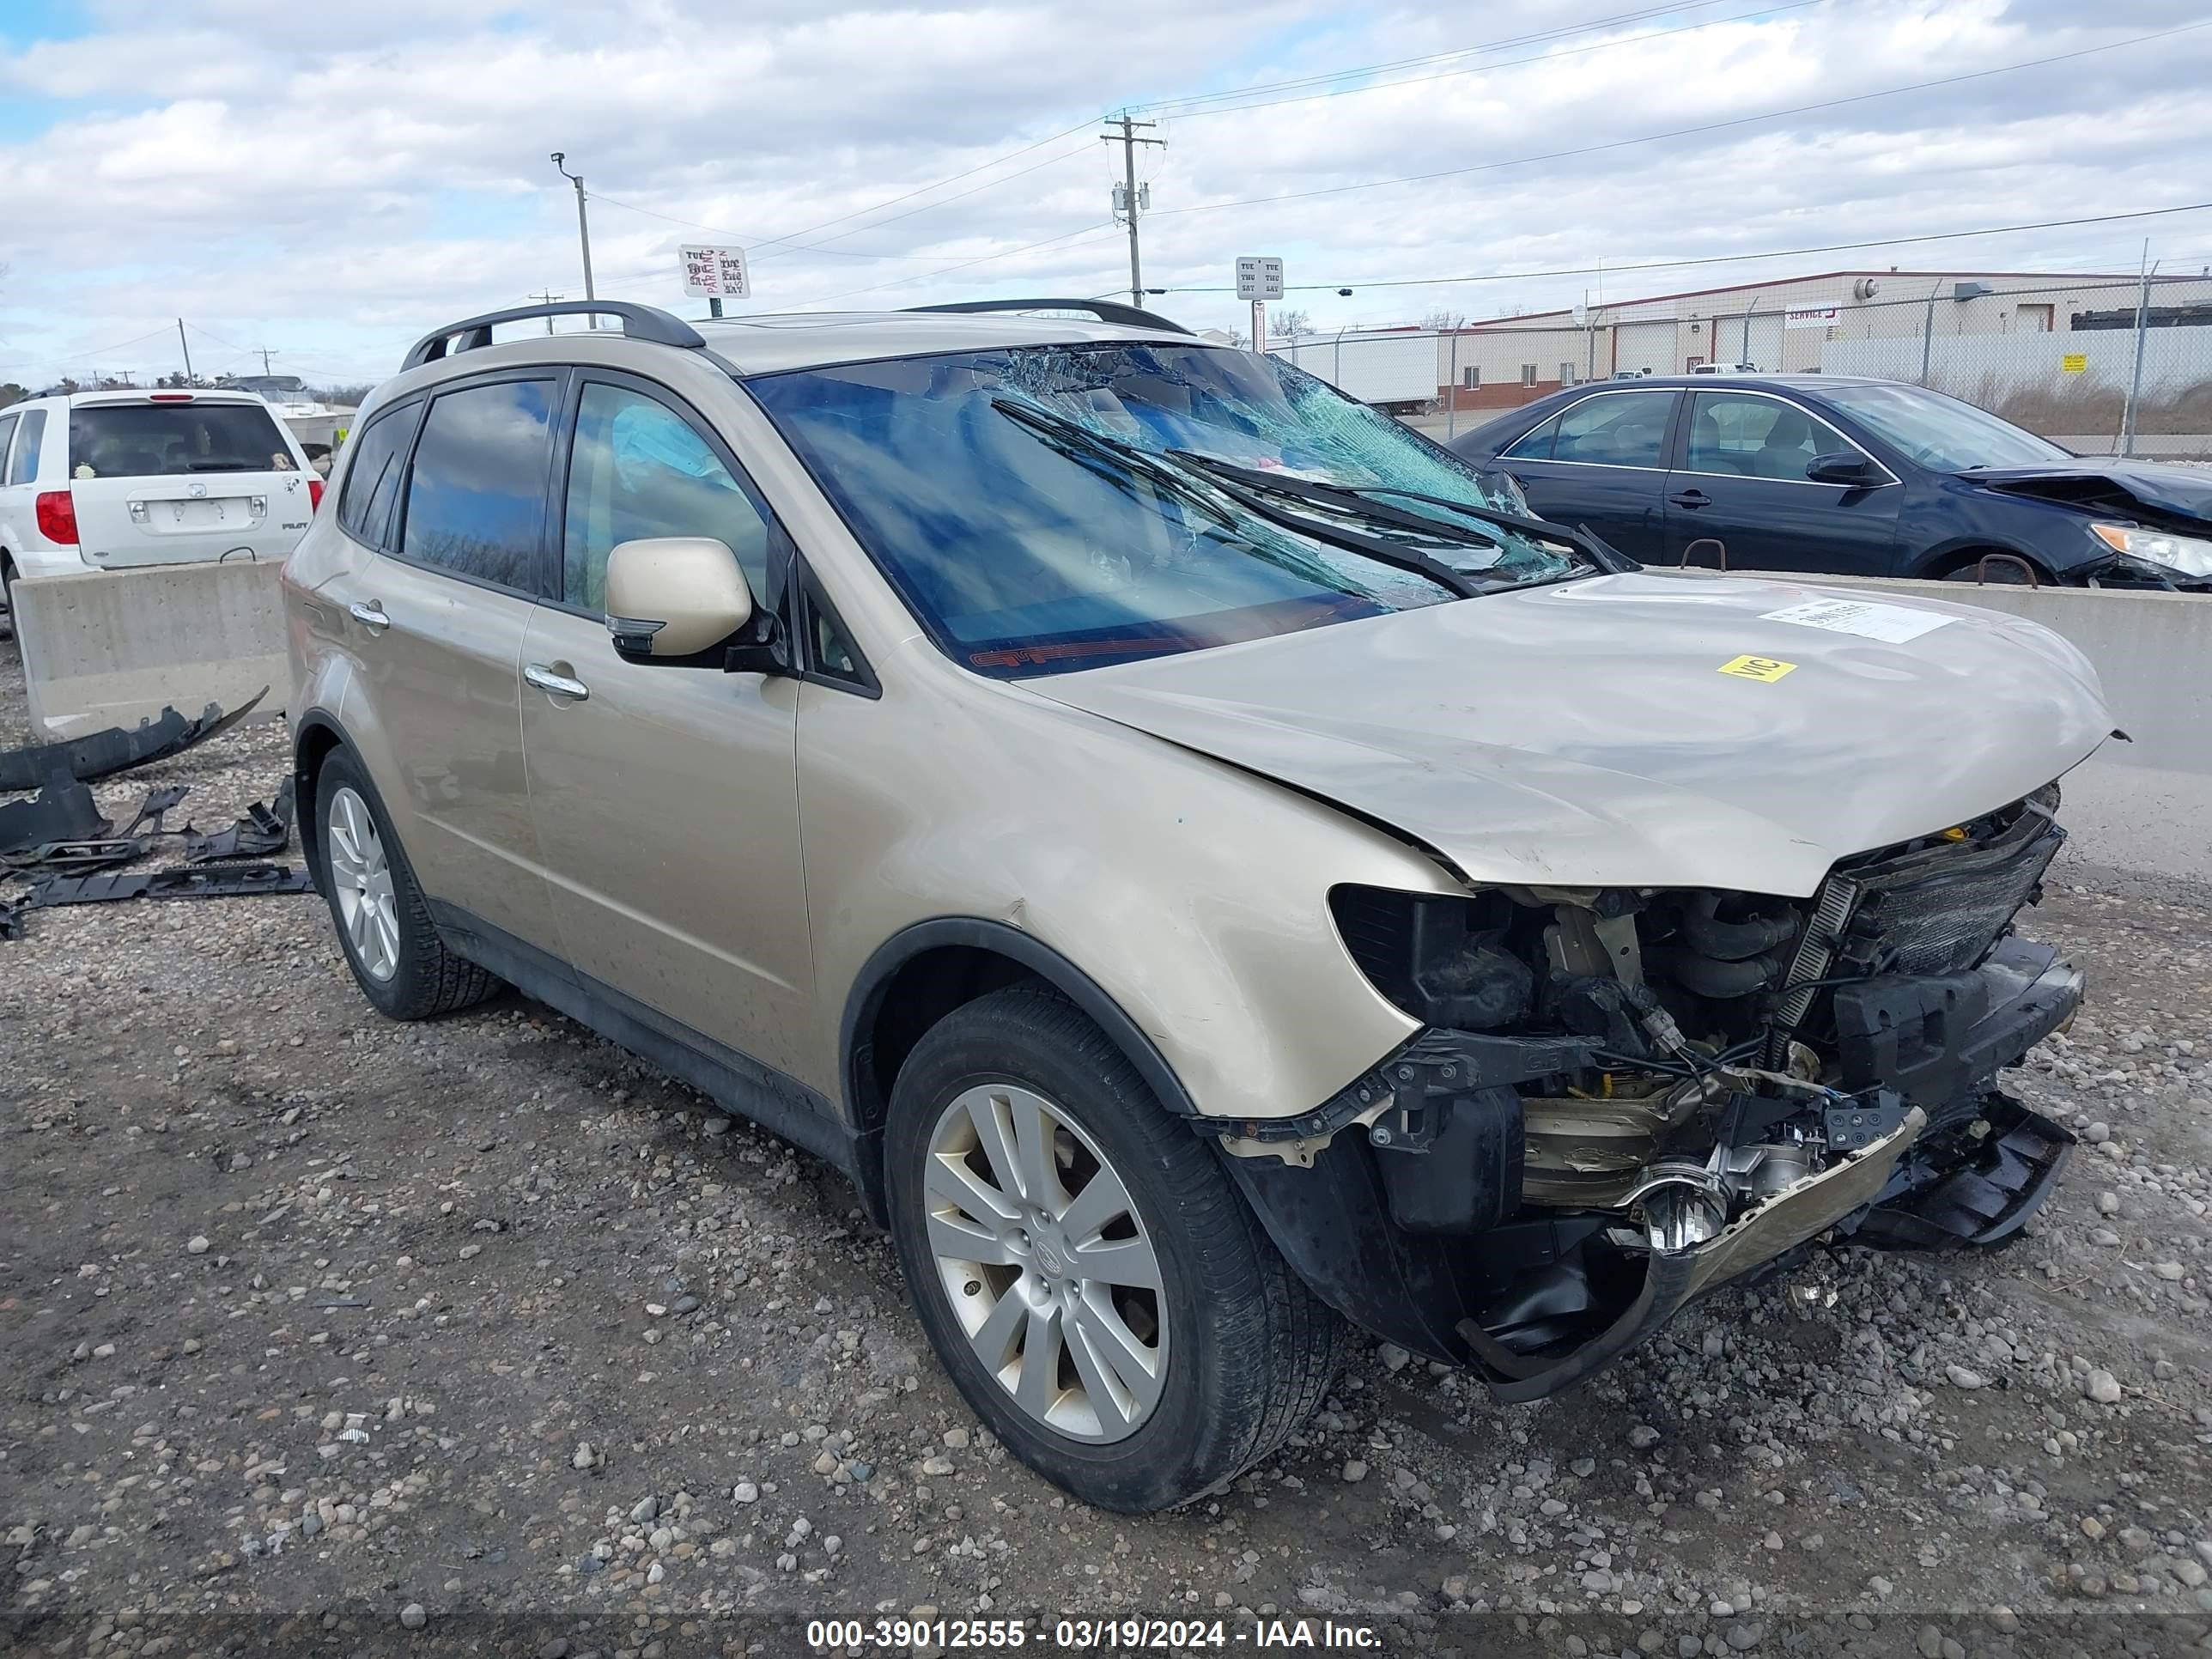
{"x": 104, "y": 480}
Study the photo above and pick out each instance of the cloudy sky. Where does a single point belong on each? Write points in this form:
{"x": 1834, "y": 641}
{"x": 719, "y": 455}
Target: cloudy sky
{"x": 332, "y": 180}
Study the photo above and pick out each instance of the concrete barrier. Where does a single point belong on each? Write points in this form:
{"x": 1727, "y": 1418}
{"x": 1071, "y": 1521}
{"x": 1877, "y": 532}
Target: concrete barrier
{"x": 113, "y": 647}
{"x": 2144, "y": 807}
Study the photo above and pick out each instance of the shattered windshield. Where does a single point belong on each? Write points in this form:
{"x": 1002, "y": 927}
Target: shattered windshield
{"x": 1023, "y": 548}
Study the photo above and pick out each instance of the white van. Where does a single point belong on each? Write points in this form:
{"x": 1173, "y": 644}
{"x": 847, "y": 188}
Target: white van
{"x": 107, "y": 480}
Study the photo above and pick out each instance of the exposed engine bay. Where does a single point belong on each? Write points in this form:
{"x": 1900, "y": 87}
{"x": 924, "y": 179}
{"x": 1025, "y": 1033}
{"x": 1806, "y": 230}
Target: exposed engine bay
{"x": 1621, "y": 1097}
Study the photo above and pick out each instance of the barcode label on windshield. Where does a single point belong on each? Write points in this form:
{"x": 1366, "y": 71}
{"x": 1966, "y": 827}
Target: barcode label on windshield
{"x": 1892, "y": 623}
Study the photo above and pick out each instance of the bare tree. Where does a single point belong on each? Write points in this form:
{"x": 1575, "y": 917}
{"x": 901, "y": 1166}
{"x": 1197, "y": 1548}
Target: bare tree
{"x": 1290, "y": 324}
{"x": 1440, "y": 320}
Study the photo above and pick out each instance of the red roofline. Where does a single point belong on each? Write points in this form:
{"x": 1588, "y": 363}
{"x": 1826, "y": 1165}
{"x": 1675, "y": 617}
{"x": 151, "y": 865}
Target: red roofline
{"x": 2059, "y": 277}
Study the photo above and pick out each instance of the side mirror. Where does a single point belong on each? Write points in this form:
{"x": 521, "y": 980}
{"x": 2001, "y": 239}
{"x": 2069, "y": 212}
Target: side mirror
{"x": 673, "y": 597}
{"x": 1844, "y": 466}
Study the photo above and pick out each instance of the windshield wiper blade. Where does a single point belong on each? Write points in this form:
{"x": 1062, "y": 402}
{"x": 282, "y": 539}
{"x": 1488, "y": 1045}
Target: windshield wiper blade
{"x": 1354, "y": 498}
{"x": 1059, "y": 428}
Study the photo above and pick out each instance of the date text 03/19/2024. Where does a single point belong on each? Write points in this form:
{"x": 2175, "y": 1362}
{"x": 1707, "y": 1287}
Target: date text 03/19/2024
{"x": 1086, "y": 1635}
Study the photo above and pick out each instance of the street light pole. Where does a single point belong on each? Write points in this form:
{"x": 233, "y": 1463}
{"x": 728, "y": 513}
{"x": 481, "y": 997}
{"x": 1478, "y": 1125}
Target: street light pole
{"x": 583, "y": 229}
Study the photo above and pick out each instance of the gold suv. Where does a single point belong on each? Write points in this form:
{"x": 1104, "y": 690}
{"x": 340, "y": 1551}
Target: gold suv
{"x": 1203, "y": 859}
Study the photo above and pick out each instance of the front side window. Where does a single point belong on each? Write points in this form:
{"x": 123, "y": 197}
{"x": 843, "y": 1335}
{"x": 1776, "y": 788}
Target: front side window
{"x": 1046, "y": 508}
{"x": 156, "y": 441}
{"x": 476, "y": 497}
{"x": 1756, "y": 437}
{"x": 23, "y": 465}
{"x": 372, "y": 480}
{"x": 640, "y": 471}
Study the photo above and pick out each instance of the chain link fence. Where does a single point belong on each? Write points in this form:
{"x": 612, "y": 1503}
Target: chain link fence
{"x": 2101, "y": 364}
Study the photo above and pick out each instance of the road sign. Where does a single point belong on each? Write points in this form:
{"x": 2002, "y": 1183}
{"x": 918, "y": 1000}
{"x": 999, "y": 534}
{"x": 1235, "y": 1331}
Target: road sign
{"x": 1259, "y": 276}
{"x": 716, "y": 273}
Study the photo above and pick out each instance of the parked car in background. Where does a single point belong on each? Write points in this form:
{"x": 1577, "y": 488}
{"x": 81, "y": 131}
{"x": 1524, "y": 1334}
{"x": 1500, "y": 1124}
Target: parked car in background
{"x": 1853, "y": 477}
{"x": 109, "y": 480}
{"x": 1203, "y": 865}
{"x": 1725, "y": 368}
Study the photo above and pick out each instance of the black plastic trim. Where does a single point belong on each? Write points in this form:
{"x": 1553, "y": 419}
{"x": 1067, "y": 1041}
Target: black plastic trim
{"x": 1106, "y": 310}
{"x": 864, "y": 1002}
{"x": 647, "y": 323}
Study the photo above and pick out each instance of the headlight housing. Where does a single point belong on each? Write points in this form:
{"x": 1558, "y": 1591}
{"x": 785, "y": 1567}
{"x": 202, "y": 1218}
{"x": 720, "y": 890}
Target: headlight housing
{"x": 2187, "y": 555}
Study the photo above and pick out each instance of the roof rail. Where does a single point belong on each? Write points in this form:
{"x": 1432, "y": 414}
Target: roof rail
{"x": 1106, "y": 310}
{"x": 648, "y": 322}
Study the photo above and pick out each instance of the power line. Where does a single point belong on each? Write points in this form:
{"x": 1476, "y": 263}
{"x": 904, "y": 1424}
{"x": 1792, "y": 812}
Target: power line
{"x": 1511, "y": 63}
{"x": 923, "y": 276}
{"x": 753, "y": 244}
{"x": 1614, "y": 268}
{"x": 1703, "y": 127}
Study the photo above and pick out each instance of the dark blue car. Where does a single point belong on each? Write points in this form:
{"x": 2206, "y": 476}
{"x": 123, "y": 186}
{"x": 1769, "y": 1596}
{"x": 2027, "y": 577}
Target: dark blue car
{"x": 1822, "y": 473}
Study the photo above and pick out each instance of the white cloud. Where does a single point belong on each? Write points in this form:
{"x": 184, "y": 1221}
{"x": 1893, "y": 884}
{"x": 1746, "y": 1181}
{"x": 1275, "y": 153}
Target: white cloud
{"x": 342, "y": 188}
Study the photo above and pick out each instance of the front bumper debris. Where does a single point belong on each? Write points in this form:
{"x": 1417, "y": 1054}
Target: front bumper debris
{"x": 1674, "y": 1278}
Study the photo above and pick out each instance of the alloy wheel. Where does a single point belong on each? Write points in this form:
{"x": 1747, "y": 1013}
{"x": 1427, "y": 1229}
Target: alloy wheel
{"x": 1048, "y": 1267}
{"x": 360, "y": 875}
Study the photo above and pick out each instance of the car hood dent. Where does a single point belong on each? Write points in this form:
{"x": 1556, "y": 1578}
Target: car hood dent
{"x": 1584, "y": 735}
{"x": 2169, "y": 493}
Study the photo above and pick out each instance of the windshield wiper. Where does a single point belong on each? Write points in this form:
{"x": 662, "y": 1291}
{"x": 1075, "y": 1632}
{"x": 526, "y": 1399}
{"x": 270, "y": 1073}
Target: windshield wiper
{"x": 1354, "y": 498}
{"x": 1059, "y": 428}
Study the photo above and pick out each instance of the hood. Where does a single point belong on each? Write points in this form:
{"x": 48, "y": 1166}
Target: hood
{"x": 2175, "y": 497}
{"x": 1637, "y": 730}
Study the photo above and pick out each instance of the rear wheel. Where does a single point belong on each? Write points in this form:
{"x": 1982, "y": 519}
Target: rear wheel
{"x": 1102, "y": 1295}
{"x": 7, "y": 594}
{"x": 384, "y": 925}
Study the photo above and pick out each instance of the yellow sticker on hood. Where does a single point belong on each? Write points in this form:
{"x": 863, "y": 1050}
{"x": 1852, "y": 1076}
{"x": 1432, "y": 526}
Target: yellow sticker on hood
{"x": 1758, "y": 668}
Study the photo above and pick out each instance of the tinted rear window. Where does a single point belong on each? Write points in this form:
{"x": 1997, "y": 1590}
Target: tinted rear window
{"x": 149, "y": 441}
{"x": 475, "y": 498}
{"x": 372, "y": 482}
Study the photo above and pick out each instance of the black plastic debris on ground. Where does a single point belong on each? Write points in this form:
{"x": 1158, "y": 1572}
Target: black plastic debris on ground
{"x": 63, "y": 810}
{"x": 102, "y": 754}
{"x": 263, "y": 830}
{"x": 223, "y": 881}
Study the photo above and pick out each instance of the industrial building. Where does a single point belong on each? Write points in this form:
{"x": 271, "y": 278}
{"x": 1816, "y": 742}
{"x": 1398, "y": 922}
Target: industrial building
{"x": 1879, "y": 322}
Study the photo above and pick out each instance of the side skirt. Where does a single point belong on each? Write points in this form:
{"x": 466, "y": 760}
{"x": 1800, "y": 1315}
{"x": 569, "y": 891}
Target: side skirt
{"x": 735, "y": 1081}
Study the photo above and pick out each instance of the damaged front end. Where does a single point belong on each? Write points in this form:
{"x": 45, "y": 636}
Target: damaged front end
{"x": 1621, "y": 1097}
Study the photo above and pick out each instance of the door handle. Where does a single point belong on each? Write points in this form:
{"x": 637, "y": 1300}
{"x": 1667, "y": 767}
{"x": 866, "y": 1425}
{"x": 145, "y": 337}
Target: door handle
{"x": 558, "y": 685}
{"x": 370, "y": 615}
{"x": 1690, "y": 498}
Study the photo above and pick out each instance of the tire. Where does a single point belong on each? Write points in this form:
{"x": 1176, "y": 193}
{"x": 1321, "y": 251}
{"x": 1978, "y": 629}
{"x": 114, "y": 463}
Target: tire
{"x": 2003, "y": 570}
{"x": 7, "y": 596}
{"x": 1241, "y": 1352}
{"x": 383, "y": 925}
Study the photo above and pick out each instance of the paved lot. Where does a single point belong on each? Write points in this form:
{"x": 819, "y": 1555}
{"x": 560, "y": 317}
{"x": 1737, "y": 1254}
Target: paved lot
{"x": 312, "y": 1327}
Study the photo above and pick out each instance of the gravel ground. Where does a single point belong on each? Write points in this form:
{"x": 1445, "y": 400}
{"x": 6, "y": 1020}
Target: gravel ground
{"x": 319, "y": 1334}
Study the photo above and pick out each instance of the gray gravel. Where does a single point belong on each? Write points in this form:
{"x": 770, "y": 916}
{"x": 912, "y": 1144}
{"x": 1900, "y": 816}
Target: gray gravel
{"x": 338, "y": 1335}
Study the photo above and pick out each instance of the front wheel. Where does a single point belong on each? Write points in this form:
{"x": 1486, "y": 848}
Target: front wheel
{"x": 1102, "y": 1295}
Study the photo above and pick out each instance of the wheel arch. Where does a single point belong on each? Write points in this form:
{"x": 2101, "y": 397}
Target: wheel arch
{"x": 1965, "y": 550}
{"x": 925, "y": 971}
{"x": 317, "y": 736}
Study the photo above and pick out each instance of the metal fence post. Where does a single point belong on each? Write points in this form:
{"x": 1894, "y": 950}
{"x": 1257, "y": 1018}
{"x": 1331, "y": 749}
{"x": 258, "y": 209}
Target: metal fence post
{"x": 2130, "y": 413}
{"x": 1451, "y": 391}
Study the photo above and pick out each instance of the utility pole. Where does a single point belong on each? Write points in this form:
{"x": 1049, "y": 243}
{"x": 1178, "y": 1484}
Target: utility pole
{"x": 1128, "y": 141}
{"x": 266, "y": 354}
{"x": 583, "y": 229}
{"x": 187, "y": 346}
{"x": 546, "y": 298}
